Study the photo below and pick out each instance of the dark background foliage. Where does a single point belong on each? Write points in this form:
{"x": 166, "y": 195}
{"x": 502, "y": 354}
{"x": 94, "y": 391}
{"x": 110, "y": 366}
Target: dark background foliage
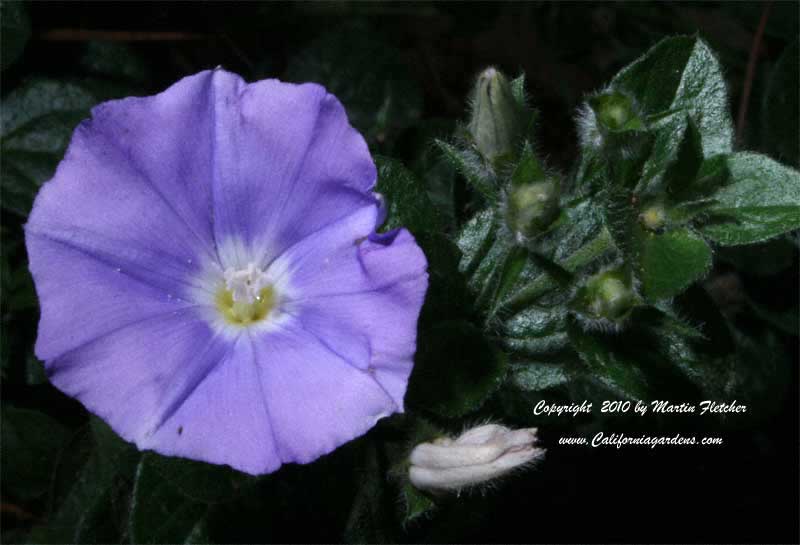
{"x": 403, "y": 71}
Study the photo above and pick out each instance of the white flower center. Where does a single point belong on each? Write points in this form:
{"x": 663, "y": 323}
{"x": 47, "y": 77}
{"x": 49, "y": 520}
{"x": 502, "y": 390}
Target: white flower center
{"x": 245, "y": 285}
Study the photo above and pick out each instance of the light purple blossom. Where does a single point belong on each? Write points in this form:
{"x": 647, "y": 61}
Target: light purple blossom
{"x": 210, "y": 279}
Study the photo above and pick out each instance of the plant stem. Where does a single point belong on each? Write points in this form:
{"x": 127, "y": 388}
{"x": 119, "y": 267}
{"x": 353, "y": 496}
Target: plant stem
{"x": 751, "y": 71}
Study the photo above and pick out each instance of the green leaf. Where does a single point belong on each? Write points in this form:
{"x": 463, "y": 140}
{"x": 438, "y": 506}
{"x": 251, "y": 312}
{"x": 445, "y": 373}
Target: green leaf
{"x": 781, "y": 108}
{"x": 417, "y": 504}
{"x": 455, "y": 371}
{"x": 30, "y": 444}
{"x": 535, "y": 377}
{"x": 114, "y": 454}
{"x": 407, "y": 201}
{"x": 438, "y": 174}
{"x": 369, "y": 520}
{"x": 115, "y": 60}
{"x": 612, "y": 366}
{"x": 491, "y": 263}
{"x": 93, "y": 508}
{"x": 764, "y": 259}
{"x": 680, "y": 174}
{"x": 529, "y": 168}
{"x": 530, "y": 290}
{"x": 159, "y": 513}
{"x": 448, "y": 296}
{"x": 763, "y": 376}
{"x": 366, "y": 74}
{"x": 470, "y": 165}
{"x": 15, "y": 278}
{"x": 200, "y": 481}
{"x": 621, "y": 218}
{"x": 34, "y": 371}
{"x": 671, "y": 262}
{"x": 786, "y": 321}
{"x": 761, "y": 201}
{"x": 37, "y": 122}
{"x": 681, "y": 74}
{"x": 536, "y": 331}
{"x": 503, "y": 278}
{"x": 476, "y": 240}
{"x": 704, "y": 359}
{"x": 15, "y": 30}
{"x": 580, "y": 223}
{"x": 518, "y": 90}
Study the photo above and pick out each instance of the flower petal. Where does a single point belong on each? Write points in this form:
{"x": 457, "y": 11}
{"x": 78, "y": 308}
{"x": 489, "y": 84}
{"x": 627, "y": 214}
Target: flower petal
{"x": 316, "y": 400}
{"x": 134, "y": 376}
{"x": 168, "y": 384}
{"x": 286, "y": 162}
{"x": 224, "y": 420}
{"x": 119, "y": 231}
{"x": 362, "y": 296}
{"x": 160, "y": 146}
{"x": 83, "y": 297}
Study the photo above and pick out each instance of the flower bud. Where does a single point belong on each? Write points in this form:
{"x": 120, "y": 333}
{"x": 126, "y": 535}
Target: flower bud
{"x": 608, "y": 295}
{"x": 531, "y": 208}
{"x": 496, "y": 122}
{"x": 477, "y": 456}
{"x": 615, "y": 112}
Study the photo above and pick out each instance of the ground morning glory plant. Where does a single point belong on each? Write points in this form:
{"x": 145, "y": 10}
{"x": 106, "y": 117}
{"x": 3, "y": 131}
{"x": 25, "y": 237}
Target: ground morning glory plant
{"x": 250, "y": 303}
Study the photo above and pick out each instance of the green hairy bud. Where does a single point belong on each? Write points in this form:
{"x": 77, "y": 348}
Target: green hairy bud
{"x": 606, "y": 300}
{"x": 496, "y": 121}
{"x": 615, "y": 112}
{"x": 531, "y": 208}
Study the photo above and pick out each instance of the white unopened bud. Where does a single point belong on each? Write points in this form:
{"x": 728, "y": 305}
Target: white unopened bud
{"x": 477, "y": 456}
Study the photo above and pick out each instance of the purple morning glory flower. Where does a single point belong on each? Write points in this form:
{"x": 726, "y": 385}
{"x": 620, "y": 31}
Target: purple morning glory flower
{"x": 210, "y": 280}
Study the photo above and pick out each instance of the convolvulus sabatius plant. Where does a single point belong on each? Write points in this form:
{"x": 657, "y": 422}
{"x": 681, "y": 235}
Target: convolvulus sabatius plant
{"x": 253, "y": 304}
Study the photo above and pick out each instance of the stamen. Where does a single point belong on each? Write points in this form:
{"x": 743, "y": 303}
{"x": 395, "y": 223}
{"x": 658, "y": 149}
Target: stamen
{"x": 245, "y": 284}
{"x": 247, "y": 296}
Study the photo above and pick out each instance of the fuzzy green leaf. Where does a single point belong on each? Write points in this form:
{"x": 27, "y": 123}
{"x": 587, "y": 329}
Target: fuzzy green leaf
{"x": 417, "y": 504}
{"x": 91, "y": 508}
{"x": 475, "y": 241}
{"x": 680, "y": 174}
{"x": 159, "y": 513}
{"x": 535, "y": 377}
{"x": 671, "y": 262}
{"x": 200, "y": 481}
{"x": 536, "y": 331}
{"x": 681, "y": 75}
{"x": 448, "y": 295}
{"x": 529, "y": 168}
{"x": 781, "y": 108}
{"x": 30, "y": 442}
{"x": 407, "y": 201}
{"x": 764, "y": 259}
{"x": 15, "y": 30}
{"x": 364, "y": 72}
{"x": 471, "y": 167}
{"x": 455, "y": 370}
{"x": 37, "y": 122}
{"x": 761, "y": 201}
{"x": 611, "y": 366}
